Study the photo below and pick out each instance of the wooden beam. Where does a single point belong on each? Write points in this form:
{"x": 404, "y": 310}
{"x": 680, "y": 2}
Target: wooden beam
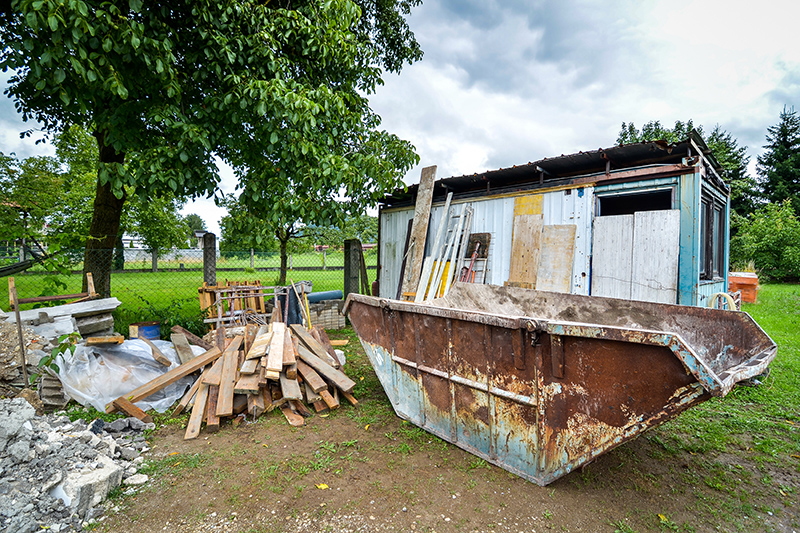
{"x": 172, "y": 376}
{"x": 350, "y": 398}
{"x": 312, "y": 379}
{"x": 289, "y": 357}
{"x": 196, "y": 418}
{"x": 419, "y": 229}
{"x": 329, "y": 400}
{"x": 131, "y": 410}
{"x": 325, "y": 370}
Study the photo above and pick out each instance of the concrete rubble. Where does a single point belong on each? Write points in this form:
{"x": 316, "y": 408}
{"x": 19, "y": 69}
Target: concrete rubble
{"x": 55, "y": 474}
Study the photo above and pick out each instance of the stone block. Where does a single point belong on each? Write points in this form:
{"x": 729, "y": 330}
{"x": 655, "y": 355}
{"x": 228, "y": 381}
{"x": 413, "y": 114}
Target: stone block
{"x": 82, "y": 490}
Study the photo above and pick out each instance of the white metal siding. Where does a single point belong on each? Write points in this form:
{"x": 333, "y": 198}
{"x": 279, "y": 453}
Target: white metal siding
{"x": 494, "y": 216}
{"x": 394, "y": 225}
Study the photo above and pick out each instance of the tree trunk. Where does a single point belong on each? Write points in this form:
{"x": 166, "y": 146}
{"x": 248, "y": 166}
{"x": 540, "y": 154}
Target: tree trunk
{"x": 284, "y": 256}
{"x": 104, "y": 229}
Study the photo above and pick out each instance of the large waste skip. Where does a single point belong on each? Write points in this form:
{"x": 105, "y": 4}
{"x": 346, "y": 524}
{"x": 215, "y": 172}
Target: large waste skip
{"x": 540, "y": 383}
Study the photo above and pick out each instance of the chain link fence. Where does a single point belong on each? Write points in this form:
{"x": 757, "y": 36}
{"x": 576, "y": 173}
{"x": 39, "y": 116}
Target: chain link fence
{"x": 164, "y": 286}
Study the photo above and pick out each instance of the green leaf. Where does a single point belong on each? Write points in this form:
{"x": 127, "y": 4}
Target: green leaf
{"x": 273, "y": 138}
{"x": 184, "y": 157}
{"x": 52, "y": 21}
{"x": 59, "y": 76}
{"x": 136, "y": 5}
{"x": 134, "y": 42}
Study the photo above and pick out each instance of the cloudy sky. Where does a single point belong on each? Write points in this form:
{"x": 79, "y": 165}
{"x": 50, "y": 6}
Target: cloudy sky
{"x": 504, "y": 83}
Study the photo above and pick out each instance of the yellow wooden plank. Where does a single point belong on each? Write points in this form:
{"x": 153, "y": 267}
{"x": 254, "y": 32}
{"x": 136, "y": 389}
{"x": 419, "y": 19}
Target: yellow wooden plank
{"x": 528, "y": 205}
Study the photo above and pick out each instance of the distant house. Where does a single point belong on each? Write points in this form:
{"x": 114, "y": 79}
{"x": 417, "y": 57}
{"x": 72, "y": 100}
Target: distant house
{"x": 646, "y": 221}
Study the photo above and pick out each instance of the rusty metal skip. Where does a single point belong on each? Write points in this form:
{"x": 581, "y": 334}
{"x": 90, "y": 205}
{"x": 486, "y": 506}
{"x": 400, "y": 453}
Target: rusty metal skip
{"x": 541, "y": 383}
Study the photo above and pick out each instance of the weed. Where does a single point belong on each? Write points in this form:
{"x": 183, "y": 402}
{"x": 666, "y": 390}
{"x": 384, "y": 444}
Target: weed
{"x": 547, "y": 514}
{"x": 621, "y": 527}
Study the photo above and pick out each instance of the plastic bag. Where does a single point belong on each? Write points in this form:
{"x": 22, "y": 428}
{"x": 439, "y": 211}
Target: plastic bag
{"x": 97, "y": 375}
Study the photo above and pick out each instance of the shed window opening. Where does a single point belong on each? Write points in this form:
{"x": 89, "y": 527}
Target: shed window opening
{"x": 712, "y": 242}
{"x": 628, "y": 204}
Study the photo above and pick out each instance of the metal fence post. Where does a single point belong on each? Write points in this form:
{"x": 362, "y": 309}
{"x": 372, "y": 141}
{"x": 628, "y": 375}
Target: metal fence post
{"x": 154, "y": 256}
{"x": 252, "y": 258}
{"x": 210, "y": 258}
{"x": 352, "y": 265}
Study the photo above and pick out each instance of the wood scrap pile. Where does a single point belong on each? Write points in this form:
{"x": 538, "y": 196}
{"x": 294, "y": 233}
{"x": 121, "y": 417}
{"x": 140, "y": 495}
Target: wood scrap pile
{"x": 290, "y": 368}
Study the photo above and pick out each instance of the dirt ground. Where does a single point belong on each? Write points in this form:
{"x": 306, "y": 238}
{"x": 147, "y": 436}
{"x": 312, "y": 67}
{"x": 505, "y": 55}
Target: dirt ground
{"x": 363, "y": 469}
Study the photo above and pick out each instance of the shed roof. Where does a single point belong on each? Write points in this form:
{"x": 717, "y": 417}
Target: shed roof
{"x": 564, "y": 169}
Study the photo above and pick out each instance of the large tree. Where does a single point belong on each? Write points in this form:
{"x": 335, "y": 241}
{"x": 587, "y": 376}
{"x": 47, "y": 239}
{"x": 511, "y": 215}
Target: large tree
{"x": 732, "y": 158}
{"x": 277, "y": 89}
{"x": 779, "y": 166}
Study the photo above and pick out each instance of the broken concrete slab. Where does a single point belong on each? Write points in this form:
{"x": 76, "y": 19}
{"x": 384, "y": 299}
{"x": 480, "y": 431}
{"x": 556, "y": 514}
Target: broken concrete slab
{"x": 77, "y": 310}
{"x": 57, "y": 326}
{"x": 86, "y": 488}
{"x": 95, "y": 323}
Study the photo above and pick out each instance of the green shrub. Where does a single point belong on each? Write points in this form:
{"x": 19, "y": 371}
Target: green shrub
{"x": 770, "y": 240}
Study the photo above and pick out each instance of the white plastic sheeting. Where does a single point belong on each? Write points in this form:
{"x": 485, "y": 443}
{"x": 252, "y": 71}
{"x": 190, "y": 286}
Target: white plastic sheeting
{"x": 97, "y": 375}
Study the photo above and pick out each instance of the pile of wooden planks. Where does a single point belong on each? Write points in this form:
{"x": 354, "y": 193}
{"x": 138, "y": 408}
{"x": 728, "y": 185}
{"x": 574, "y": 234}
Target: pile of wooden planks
{"x": 271, "y": 366}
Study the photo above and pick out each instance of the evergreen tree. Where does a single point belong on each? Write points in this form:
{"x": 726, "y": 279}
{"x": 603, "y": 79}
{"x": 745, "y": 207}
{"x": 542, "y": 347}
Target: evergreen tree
{"x": 732, "y": 158}
{"x": 779, "y": 167}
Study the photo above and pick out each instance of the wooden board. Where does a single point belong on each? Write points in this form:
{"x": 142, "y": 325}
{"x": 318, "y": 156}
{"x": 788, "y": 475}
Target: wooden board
{"x": 293, "y": 418}
{"x": 290, "y": 389}
{"x": 313, "y": 344}
{"x": 248, "y": 384}
{"x": 157, "y": 354}
{"x": 131, "y": 410}
{"x": 186, "y": 398}
{"x": 275, "y": 356}
{"x": 656, "y": 242}
{"x": 250, "y": 366}
{"x": 261, "y": 344}
{"x": 255, "y": 404}
{"x": 310, "y": 376}
{"x": 329, "y": 400}
{"x": 212, "y": 420}
{"x": 191, "y": 337}
{"x": 526, "y": 242}
{"x": 289, "y": 357}
{"x": 213, "y": 375}
{"x": 196, "y": 418}
{"x": 419, "y": 230}
{"x": 319, "y": 334}
{"x": 612, "y": 256}
{"x": 325, "y": 370}
{"x": 339, "y": 342}
{"x": 350, "y": 398}
{"x": 227, "y": 381}
{"x": 556, "y": 258}
{"x": 106, "y": 339}
{"x": 301, "y": 409}
{"x": 170, "y": 377}
{"x": 182, "y": 348}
